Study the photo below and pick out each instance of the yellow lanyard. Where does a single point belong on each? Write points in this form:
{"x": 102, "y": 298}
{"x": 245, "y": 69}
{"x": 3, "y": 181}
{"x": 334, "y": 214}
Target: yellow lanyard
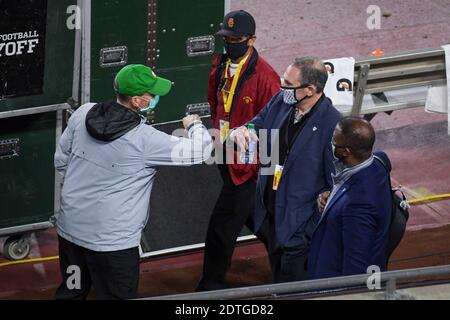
{"x": 228, "y": 99}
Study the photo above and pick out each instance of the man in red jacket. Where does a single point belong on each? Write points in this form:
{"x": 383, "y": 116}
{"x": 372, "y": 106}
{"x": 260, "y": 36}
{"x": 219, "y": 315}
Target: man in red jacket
{"x": 240, "y": 84}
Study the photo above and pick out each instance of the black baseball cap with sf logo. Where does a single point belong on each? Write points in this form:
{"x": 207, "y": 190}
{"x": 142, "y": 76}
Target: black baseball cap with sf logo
{"x": 237, "y": 24}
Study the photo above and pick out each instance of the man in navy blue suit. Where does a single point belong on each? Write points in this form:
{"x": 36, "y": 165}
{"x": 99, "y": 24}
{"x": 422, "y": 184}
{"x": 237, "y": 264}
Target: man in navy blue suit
{"x": 352, "y": 233}
{"x": 299, "y": 120}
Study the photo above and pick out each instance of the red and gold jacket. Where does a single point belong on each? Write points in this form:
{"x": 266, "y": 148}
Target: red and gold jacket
{"x": 258, "y": 82}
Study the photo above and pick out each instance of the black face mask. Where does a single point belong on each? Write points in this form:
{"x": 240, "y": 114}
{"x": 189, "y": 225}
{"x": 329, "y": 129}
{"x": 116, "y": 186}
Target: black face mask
{"x": 236, "y": 50}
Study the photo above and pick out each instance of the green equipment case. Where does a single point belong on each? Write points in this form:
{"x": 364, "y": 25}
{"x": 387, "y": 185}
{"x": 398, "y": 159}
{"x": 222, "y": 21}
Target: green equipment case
{"x": 36, "y": 68}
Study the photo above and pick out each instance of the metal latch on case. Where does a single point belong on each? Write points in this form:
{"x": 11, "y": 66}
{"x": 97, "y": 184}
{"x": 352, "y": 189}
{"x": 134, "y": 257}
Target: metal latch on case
{"x": 9, "y": 148}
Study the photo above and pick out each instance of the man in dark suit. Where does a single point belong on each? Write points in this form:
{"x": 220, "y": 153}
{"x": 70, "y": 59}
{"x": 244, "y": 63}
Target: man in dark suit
{"x": 298, "y": 123}
{"x": 352, "y": 233}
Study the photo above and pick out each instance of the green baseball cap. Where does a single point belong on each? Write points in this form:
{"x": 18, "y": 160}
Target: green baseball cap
{"x": 137, "y": 79}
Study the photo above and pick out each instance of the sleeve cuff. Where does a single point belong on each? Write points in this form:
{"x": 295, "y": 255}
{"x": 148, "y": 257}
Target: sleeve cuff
{"x": 193, "y": 125}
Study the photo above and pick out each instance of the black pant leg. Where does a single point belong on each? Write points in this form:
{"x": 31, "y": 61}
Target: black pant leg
{"x": 267, "y": 234}
{"x": 232, "y": 210}
{"x": 115, "y": 274}
{"x": 72, "y": 255}
{"x": 293, "y": 263}
{"x": 217, "y": 246}
{"x": 288, "y": 262}
{"x": 295, "y": 253}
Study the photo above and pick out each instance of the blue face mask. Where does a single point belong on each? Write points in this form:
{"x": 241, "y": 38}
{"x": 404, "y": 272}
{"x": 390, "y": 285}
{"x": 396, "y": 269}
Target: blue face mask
{"x": 151, "y": 105}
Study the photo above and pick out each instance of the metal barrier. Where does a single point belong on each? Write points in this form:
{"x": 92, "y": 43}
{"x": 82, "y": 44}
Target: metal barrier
{"x": 413, "y": 69}
{"x": 314, "y": 287}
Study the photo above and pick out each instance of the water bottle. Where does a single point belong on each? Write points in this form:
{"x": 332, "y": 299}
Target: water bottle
{"x": 249, "y": 155}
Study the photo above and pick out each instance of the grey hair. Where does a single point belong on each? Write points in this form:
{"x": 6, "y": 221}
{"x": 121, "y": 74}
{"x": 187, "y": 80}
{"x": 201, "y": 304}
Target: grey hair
{"x": 312, "y": 71}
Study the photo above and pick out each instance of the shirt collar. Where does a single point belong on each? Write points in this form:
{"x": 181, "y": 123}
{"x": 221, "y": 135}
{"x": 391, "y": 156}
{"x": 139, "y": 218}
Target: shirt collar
{"x": 310, "y": 111}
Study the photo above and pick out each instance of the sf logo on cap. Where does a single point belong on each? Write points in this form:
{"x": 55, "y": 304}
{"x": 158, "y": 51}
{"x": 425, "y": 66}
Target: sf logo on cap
{"x": 230, "y": 23}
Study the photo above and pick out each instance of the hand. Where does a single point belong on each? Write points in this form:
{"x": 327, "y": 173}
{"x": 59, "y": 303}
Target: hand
{"x": 190, "y": 119}
{"x": 322, "y": 200}
{"x": 241, "y": 136}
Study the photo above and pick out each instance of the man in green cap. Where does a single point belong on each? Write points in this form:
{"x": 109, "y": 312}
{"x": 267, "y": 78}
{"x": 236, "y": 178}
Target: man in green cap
{"x": 107, "y": 158}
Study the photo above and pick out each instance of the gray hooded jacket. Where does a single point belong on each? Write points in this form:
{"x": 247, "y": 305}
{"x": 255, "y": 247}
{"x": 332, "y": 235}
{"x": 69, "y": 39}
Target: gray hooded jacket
{"x": 108, "y": 158}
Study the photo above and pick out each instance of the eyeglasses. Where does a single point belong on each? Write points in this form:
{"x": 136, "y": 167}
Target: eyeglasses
{"x": 295, "y": 88}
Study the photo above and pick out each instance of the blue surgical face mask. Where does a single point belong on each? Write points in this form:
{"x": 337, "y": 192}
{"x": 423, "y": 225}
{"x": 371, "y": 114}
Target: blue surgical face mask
{"x": 151, "y": 105}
